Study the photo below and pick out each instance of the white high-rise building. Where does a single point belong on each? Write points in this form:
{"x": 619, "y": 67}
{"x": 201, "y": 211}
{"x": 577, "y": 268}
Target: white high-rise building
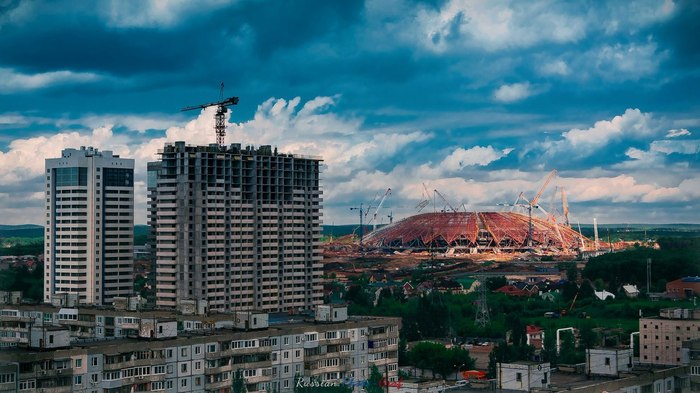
{"x": 89, "y": 236}
{"x": 236, "y": 228}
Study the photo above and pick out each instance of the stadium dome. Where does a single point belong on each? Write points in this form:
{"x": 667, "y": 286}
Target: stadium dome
{"x": 477, "y": 231}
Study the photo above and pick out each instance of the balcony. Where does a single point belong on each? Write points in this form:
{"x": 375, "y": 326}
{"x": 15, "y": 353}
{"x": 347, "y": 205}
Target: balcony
{"x": 133, "y": 363}
{"x": 217, "y": 385}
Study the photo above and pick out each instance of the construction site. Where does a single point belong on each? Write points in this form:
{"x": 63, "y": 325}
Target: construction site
{"x": 522, "y": 226}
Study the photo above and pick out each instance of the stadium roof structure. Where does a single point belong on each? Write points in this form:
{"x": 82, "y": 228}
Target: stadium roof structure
{"x": 479, "y": 231}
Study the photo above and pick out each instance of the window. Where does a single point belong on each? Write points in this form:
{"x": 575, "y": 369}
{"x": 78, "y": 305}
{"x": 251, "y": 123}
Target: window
{"x": 78, "y": 363}
{"x": 94, "y": 361}
{"x": 78, "y": 380}
{"x": 7, "y": 378}
{"x": 607, "y": 361}
{"x": 27, "y": 385}
{"x": 197, "y": 350}
{"x": 183, "y": 352}
{"x": 519, "y": 377}
{"x": 183, "y": 383}
{"x": 183, "y": 367}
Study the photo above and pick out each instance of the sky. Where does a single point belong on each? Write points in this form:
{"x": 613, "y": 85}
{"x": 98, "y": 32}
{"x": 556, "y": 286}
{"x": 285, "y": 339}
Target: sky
{"x": 479, "y": 100}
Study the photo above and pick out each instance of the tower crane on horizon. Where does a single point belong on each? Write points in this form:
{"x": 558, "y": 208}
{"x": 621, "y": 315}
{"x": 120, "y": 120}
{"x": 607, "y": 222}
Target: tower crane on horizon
{"x": 220, "y": 116}
{"x": 445, "y": 200}
{"x": 373, "y": 220}
{"x": 530, "y": 205}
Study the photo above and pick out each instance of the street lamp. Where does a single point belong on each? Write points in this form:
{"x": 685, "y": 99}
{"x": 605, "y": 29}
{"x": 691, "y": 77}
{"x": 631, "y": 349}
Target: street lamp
{"x": 458, "y": 370}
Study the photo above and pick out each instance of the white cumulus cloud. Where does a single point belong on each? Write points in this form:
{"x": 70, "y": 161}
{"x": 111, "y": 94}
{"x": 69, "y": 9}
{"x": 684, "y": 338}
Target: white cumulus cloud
{"x": 513, "y": 92}
{"x": 475, "y": 156}
{"x": 633, "y": 124}
{"x": 12, "y": 81}
{"x": 676, "y": 146}
{"x": 676, "y": 133}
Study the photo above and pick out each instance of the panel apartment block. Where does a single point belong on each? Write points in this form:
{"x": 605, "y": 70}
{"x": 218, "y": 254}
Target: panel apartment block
{"x": 661, "y": 338}
{"x": 104, "y": 355}
{"x": 237, "y": 228}
{"x": 89, "y": 237}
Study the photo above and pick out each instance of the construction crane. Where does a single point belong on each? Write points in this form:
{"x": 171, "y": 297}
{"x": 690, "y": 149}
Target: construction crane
{"x": 220, "y": 116}
{"x": 426, "y": 201}
{"x": 391, "y": 217}
{"x": 445, "y": 200}
{"x": 544, "y": 186}
{"x": 373, "y": 220}
{"x": 362, "y": 229}
{"x": 565, "y": 207}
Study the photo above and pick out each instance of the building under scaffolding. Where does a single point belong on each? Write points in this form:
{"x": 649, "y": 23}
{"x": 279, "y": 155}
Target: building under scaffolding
{"x": 475, "y": 232}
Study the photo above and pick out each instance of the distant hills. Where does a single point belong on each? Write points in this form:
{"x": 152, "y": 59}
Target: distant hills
{"x": 24, "y": 230}
{"x": 31, "y": 230}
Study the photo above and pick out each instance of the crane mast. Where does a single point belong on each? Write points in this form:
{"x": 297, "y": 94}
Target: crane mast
{"x": 220, "y": 116}
{"x": 379, "y": 206}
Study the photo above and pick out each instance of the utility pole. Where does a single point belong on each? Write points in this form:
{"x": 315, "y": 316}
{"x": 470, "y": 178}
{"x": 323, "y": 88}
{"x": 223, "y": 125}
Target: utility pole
{"x": 482, "y": 311}
{"x": 648, "y": 275}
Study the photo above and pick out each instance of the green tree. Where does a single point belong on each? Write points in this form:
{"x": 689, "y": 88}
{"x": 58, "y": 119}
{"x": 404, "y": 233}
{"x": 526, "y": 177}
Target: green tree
{"x": 493, "y": 283}
{"x": 374, "y": 382}
{"x": 238, "y": 382}
{"x": 587, "y": 337}
{"x": 549, "y": 352}
{"x": 567, "y": 352}
{"x": 403, "y": 353}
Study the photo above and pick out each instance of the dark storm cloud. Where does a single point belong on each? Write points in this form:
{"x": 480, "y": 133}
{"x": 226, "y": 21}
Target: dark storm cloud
{"x": 85, "y": 45}
{"x": 681, "y": 34}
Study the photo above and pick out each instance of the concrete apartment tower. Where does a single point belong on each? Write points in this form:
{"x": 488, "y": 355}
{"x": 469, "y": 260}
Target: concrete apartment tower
{"x": 237, "y": 228}
{"x": 89, "y": 233}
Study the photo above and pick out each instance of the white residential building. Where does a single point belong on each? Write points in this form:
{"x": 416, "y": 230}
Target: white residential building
{"x": 89, "y": 226}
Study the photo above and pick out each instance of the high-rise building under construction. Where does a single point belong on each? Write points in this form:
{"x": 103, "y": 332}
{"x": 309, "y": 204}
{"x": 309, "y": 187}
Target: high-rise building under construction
{"x": 238, "y": 228}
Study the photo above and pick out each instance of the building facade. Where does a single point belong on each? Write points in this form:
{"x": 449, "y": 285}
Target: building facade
{"x": 89, "y": 225}
{"x": 661, "y": 338}
{"x": 693, "y": 349}
{"x": 97, "y": 350}
{"x": 684, "y": 288}
{"x": 523, "y": 376}
{"x": 238, "y": 228}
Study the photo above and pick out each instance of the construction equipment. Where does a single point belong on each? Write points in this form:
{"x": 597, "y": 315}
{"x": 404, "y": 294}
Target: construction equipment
{"x": 220, "y": 116}
{"x": 565, "y": 208}
{"x": 373, "y": 220}
{"x": 447, "y": 204}
{"x": 425, "y": 201}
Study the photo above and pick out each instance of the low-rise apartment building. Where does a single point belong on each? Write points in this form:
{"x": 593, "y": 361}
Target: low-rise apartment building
{"x": 661, "y": 338}
{"x": 154, "y": 352}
